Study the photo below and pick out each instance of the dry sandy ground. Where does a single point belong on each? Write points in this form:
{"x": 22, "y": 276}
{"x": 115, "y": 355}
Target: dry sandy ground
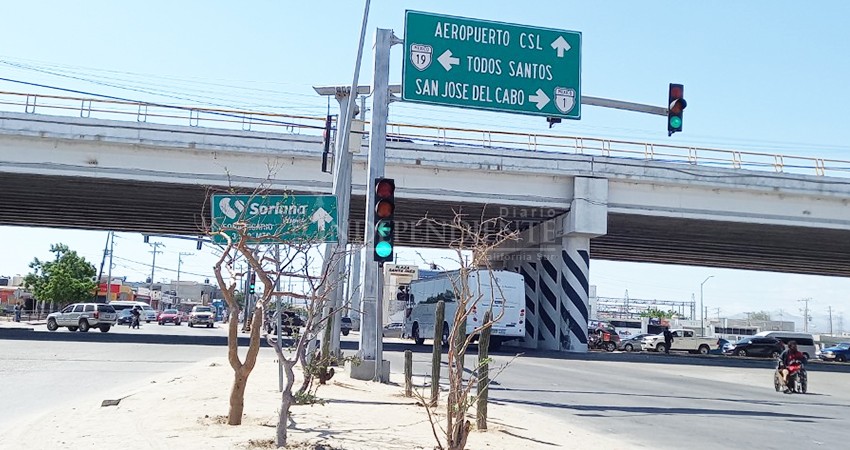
{"x": 187, "y": 410}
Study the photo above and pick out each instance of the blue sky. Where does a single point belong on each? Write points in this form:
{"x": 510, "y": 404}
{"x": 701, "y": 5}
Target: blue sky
{"x": 758, "y": 75}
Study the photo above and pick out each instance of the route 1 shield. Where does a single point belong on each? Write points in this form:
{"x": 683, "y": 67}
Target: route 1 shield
{"x": 565, "y": 99}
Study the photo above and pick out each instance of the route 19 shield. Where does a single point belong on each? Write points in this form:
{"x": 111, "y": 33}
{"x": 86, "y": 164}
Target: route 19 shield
{"x": 420, "y": 55}
{"x": 565, "y": 99}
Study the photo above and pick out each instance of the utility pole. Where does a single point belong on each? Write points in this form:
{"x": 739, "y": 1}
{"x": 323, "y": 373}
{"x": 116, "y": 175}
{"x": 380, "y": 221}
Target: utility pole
{"x": 156, "y": 246}
{"x": 717, "y": 313}
{"x": 179, "y": 263}
{"x": 829, "y": 308}
{"x": 102, "y": 261}
{"x": 109, "y": 270}
{"x": 805, "y": 313}
{"x": 701, "y": 316}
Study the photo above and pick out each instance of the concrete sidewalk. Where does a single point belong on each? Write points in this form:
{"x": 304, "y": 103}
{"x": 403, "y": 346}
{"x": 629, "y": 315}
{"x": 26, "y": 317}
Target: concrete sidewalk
{"x": 22, "y": 325}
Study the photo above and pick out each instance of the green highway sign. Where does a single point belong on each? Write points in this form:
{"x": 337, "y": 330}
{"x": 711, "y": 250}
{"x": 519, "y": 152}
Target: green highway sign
{"x": 275, "y": 218}
{"x": 471, "y": 63}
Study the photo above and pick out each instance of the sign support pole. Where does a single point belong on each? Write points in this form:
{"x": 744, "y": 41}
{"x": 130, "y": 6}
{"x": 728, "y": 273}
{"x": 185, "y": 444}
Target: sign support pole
{"x": 371, "y": 347}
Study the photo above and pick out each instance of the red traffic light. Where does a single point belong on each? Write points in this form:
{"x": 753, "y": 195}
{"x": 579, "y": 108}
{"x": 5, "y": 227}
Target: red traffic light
{"x": 384, "y": 209}
{"x": 675, "y": 106}
{"x": 384, "y": 223}
{"x": 385, "y": 187}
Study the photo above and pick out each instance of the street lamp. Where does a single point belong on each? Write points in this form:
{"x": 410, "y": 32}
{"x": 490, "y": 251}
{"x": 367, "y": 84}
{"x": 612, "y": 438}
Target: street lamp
{"x": 701, "y": 309}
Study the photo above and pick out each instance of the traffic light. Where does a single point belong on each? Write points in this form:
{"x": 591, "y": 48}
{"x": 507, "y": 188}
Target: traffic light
{"x": 675, "y": 106}
{"x": 326, "y": 141}
{"x": 384, "y": 224}
{"x": 252, "y": 286}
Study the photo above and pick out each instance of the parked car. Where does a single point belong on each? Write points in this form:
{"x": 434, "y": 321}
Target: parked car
{"x": 125, "y": 317}
{"x": 290, "y": 321}
{"x": 169, "y": 316}
{"x": 682, "y": 340}
{"x": 345, "y": 325}
{"x": 805, "y": 341}
{"x": 756, "y": 346}
{"x": 632, "y": 343}
{"x": 83, "y": 316}
{"x": 839, "y": 352}
{"x": 393, "y": 330}
{"x": 201, "y": 315}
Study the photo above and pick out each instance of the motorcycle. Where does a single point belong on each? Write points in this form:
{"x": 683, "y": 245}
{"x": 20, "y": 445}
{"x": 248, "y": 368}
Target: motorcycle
{"x": 797, "y": 378}
{"x": 603, "y": 340}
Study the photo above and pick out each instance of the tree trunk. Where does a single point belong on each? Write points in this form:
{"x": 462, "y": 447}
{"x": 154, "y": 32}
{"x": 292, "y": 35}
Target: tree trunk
{"x": 286, "y": 401}
{"x": 483, "y": 374}
{"x": 436, "y": 355}
{"x": 237, "y": 398}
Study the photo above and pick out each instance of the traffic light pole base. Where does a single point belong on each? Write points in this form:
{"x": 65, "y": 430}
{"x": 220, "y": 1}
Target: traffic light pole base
{"x": 365, "y": 370}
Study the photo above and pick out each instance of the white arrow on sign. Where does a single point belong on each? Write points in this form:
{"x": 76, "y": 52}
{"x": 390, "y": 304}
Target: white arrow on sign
{"x": 561, "y": 46}
{"x": 321, "y": 218}
{"x": 540, "y": 98}
{"x": 447, "y": 61}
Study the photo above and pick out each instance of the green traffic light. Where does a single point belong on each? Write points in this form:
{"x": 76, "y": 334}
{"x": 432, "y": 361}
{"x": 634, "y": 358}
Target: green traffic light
{"x": 676, "y": 122}
{"x": 383, "y": 249}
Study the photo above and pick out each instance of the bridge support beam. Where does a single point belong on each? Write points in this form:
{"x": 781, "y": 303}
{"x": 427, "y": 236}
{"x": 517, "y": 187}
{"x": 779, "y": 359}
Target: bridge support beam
{"x": 554, "y": 259}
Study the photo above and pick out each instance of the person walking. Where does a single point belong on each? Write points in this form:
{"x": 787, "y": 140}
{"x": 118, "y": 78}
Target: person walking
{"x": 668, "y": 340}
{"x": 136, "y": 314}
{"x": 18, "y": 312}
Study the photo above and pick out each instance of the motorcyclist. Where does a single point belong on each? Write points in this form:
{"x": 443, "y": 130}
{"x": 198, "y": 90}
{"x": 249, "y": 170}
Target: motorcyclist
{"x": 788, "y": 356}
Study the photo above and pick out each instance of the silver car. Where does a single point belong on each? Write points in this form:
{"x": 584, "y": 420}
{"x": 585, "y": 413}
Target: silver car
{"x": 633, "y": 343}
{"x": 202, "y": 315}
{"x": 393, "y": 330}
{"x": 83, "y": 316}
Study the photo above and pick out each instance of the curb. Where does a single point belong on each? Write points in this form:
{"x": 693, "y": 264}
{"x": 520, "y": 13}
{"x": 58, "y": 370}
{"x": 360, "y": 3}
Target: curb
{"x": 8, "y": 329}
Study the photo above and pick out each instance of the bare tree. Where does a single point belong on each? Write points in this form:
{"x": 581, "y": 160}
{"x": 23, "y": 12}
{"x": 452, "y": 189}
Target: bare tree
{"x": 480, "y": 240}
{"x": 316, "y": 299}
{"x": 298, "y": 257}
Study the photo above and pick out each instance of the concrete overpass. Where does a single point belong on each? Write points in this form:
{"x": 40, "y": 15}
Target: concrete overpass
{"x": 130, "y": 176}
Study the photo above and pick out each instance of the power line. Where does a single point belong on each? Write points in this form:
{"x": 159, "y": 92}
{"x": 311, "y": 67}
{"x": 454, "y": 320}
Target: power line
{"x": 163, "y": 268}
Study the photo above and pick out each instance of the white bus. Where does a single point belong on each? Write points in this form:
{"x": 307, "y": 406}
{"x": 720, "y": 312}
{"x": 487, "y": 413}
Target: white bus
{"x": 504, "y": 292}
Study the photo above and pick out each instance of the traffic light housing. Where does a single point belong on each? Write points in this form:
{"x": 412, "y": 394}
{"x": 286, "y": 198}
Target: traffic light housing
{"x": 675, "y": 106}
{"x": 252, "y": 286}
{"x": 384, "y": 220}
{"x": 327, "y": 137}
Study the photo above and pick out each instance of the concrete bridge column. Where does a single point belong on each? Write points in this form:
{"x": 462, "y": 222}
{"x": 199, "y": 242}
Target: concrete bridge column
{"x": 554, "y": 259}
{"x": 524, "y": 264}
{"x": 588, "y": 218}
{"x": 550, "y": 324}
{"x": 574, "y": 271}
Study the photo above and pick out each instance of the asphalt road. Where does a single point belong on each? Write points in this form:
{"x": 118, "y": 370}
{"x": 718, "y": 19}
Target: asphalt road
{"x": 673, "y": 402}
{"x": 37, "y": 375}
{"x": 644, "y": 400}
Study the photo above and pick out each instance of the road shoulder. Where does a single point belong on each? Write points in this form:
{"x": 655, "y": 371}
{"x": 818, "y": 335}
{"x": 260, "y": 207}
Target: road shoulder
{"x": 187, "y": 409}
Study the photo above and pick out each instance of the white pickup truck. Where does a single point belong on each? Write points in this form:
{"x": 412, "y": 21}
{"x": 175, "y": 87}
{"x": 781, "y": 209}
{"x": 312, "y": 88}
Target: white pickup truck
{"x": 682, "y": 340}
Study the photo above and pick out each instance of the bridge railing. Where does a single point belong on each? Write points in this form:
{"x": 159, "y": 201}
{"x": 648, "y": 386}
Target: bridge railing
{"x": 558, "y": 143}
{"x": 193, "y": 116}
{"x": 196, "y": 116}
